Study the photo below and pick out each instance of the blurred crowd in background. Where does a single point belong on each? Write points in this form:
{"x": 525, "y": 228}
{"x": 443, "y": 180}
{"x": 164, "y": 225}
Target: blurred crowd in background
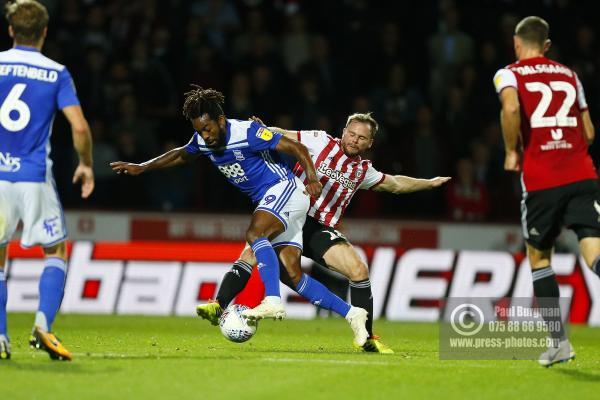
{"x": 423, "y": 67}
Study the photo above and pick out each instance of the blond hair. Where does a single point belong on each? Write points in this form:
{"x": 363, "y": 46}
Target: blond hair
{"x": 365, "y": 118}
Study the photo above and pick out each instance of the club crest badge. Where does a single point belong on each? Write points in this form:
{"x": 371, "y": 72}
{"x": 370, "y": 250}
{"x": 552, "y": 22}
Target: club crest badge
{"x": 238, "y": 155}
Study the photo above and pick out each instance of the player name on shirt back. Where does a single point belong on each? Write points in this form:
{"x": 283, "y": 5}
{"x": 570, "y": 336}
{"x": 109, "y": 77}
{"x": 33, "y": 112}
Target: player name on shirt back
{"x": 542, "y": 69}
{"x": 29, "y": 72}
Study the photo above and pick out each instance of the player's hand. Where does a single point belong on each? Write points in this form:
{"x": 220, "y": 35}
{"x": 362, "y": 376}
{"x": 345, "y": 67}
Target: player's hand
{"x": 439, "y": 181}
{"x": 257, "y": 120}
{"x": 123, "y": 167}
{"x": 85, "y": 175}
{"x": 314, "y": 189}
{"x": 512, "y": 161}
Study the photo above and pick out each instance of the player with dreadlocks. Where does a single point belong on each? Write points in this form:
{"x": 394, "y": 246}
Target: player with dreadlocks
{"x": 248, "y": 154}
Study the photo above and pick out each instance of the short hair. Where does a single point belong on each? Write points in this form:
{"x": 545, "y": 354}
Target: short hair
{"x": 533, "y": 30}
{"x": 365, "y": 118}
{"x": 199, "y": 101}
{"x": 28, "y": 19}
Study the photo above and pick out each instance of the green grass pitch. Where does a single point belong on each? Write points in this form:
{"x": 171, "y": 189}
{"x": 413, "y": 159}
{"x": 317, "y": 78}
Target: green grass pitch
{"x": 133, "y": 357}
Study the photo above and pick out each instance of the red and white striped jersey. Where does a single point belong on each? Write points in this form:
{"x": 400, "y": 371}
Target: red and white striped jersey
{"x": 341, "y": 176}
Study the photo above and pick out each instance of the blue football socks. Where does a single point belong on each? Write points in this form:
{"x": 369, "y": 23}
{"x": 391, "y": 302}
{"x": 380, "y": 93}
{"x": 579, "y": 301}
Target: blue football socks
{"x": 52, "y": 285}
{"x": 268, "y": 266}
{"x": 319, "y": 295}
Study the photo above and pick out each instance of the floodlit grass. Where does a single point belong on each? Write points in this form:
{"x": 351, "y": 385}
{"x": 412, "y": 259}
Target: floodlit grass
{"x": 134, "y": 357}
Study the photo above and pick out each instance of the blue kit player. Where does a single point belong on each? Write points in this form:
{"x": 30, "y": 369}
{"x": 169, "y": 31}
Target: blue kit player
{"x": 247, "y": 153}
{"x": 32, "y": 88}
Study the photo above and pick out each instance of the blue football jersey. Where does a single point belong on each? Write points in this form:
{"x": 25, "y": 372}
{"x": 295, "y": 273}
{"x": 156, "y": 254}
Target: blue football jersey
{"x": 32, "y": 88}
{"x": 248, "y": 159}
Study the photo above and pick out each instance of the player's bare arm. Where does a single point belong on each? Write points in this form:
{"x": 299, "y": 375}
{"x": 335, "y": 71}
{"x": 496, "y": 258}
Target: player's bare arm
{"x": 293, "y": 135}
{"x": 405, "y": 184}
{"x": 298, "y": 150}
{"x": 82, "y": 141}
{"x": 510, "y": 119}
{"x": 589, "y": 133}
{"x": 171, "y": 158}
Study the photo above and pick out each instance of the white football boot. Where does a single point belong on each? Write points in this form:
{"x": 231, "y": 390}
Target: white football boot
{"x": 554, "y": 355}
{"x": 358, "y": 319}
{"x": 264, "y": 310}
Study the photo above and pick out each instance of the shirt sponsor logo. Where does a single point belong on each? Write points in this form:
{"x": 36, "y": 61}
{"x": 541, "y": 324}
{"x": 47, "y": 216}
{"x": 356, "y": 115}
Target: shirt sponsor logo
{"x": 264, "y": 134}
{"x": 235, "y": 172}
{"x": 556, "y": 145}
{"x": 9, "y": 163}
{"x": 336, "y": 176}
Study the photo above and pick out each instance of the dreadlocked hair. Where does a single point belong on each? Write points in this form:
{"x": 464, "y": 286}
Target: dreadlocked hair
{"x": 199, "y": 101}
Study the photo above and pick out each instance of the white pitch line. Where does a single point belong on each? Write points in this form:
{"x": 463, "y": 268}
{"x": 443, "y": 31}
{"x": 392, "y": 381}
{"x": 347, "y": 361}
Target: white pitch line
{"x": 116, "y": 356}
{"x": 326, "y": 361}
{"x": 87, "y": 355}
{"x": 404, "y": 362}
{"x": 396, "y": 362}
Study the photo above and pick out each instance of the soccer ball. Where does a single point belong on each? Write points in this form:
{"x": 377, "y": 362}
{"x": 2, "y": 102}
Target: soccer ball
{"x": 233, "y": 326}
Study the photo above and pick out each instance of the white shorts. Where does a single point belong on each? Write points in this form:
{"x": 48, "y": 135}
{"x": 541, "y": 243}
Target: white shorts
{"x": 38, "y": 206}
{"x": 288, "y": 202}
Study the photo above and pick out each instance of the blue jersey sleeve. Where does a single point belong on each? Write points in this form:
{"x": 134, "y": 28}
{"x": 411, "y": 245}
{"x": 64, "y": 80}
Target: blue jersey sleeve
{"x": 67, "y": 95}
{"x": 261, "y": 138}
{"x": 192, "y": 146}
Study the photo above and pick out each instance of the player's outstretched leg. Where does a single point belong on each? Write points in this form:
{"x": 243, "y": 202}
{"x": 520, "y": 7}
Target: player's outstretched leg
{"x": 319, "y": 295}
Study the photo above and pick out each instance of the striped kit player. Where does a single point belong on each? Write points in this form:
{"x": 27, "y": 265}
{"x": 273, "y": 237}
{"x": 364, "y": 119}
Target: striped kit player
{"x": 341, "y": 175}
{"x": 342, "y": 172}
